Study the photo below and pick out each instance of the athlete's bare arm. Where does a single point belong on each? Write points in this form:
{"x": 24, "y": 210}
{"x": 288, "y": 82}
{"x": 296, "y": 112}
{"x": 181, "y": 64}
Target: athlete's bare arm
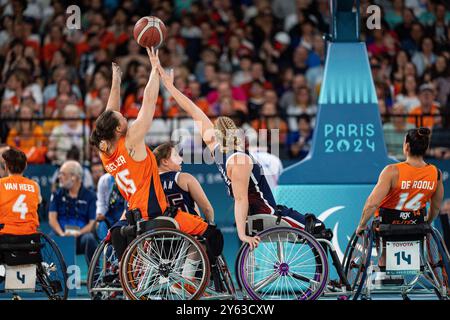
{"x": 189, "y": 184}
{"x": 114, "y": 95}
{"x": 436, "y": 200}
{"x": 239, "y": 171}
{"x": 385, "y": 181}
{"x": 39, "y": 193}
{"x": 201, "y": 119}
{"x": 135, "y": 140}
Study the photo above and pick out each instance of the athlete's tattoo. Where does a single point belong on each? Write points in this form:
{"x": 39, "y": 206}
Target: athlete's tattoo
{"x": 131, "y": 152}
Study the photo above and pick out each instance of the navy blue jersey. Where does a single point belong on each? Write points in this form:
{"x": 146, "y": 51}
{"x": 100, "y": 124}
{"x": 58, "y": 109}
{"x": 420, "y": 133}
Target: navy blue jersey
{"x": 176, "y": 196}
{"x": 260, "y": 197}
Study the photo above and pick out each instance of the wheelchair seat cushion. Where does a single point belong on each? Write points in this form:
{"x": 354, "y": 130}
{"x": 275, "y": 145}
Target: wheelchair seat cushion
{"x": 19, "y": 250}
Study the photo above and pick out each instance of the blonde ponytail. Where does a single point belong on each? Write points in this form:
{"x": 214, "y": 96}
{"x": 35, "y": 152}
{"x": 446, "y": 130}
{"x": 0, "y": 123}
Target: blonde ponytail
{"x": 227, "y": 134}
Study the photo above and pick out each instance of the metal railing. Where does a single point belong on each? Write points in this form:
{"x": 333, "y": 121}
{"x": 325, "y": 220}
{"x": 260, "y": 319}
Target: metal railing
{"x": 166, "y": 128}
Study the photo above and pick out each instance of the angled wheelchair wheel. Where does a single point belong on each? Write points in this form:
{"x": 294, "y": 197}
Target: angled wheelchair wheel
{"x": 356, "y": 261}
{"x": 438, "y": 262}
{"x": 288, "y": 264}
{"x": 103, "y": 281}
{"x": 164, "y": 264}
{"x": 52, "y": 272}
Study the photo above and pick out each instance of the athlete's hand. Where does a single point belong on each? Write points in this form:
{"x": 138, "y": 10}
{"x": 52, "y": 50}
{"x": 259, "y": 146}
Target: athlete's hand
{"x": 252, "y": 241}
{"x": 116, "y": 72}
{"x": 153, "y": 56}
{"x": 166, "y": 77}
{"x": 360, "y": 230}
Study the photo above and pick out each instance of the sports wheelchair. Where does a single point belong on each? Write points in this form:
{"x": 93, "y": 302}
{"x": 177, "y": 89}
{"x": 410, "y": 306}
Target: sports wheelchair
{"x": 408, "y": 259}
{"x": 289, "y": 263}
{"x": 33, "y": 264}
{"x": 153, "y": 266}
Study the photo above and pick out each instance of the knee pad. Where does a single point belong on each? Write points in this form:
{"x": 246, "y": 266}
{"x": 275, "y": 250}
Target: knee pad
{"x": 214, "y": 241}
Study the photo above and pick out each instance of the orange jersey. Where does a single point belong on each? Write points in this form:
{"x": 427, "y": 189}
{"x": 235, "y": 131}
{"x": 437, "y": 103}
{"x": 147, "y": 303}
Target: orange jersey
{"x": 138, "y": 181}
{"x": 19, "y": 200}
{"x": 414, "y": 188}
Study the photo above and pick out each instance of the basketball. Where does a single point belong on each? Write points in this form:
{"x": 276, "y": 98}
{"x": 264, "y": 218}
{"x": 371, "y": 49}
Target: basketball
{"x": 150, "y": 32}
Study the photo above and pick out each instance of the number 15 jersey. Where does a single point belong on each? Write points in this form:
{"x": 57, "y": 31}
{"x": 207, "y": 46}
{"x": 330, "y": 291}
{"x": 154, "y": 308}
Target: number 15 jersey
{"x": 414, "y": 188}
{"x": 138, "y": 181}
{"x": 19, "y": 201}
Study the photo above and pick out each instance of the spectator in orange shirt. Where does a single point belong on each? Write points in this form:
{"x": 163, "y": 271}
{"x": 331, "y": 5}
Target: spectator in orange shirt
{"x": 28, "y": 136}
{"x": 427, "y": 108}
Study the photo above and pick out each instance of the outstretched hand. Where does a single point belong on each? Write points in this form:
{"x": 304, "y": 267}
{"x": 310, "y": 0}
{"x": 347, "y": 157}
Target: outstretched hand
{"x": 154, "y": 58}
{"x": 116, "y": 71}
{"x": 166, "y": 77}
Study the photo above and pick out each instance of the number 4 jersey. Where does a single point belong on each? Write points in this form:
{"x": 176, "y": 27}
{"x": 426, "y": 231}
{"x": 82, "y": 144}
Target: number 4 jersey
{"x": 19, "y": 200}
{"x": 414, "y": 188}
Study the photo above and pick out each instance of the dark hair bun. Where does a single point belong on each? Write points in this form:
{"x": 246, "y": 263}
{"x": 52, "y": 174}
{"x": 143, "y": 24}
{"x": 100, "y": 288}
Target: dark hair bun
{"x": 423, "y": 131}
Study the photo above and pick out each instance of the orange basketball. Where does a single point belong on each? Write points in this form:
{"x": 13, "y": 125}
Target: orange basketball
{"x": 150, "y": 32}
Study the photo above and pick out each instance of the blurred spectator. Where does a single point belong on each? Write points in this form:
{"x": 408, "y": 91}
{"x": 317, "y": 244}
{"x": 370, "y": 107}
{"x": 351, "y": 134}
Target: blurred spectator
{"x": 226, "y": 104}
{"x": 425, "y": 57}
{"x": 97, "y": 171}
{"x": 270, "y": 120}
{"x": 299, "y": 142}
{"x": 395, "y": 130}
{"x": 303, "y": 104}
{"x": 87, "y": 179}
{"x": 440, "y": 73}
{"x": 72, "y": 209}
{"x": 427, "y": 108}
{"x": 28, "y": 136}
{"x": 70, "y": 133}
{"x": 256, "y": 100}
{"x": 408, "y": 96}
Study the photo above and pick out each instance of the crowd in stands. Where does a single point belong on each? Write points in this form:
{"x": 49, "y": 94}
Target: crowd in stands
{"x": 258, "y": 61}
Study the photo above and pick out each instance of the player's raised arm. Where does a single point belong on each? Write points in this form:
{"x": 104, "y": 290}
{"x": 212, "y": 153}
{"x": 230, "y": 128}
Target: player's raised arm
{"x": 140, "y": 127}
{"x": 201, "y": 119}
{"x": 114, "y": 96}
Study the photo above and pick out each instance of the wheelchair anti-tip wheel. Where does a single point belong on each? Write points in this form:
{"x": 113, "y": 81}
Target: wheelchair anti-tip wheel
{"x": 356, "y": 261}
{"x": 288, "y": 264}
{"x": 103, "y": 276}
{"x": 164, "y": 264}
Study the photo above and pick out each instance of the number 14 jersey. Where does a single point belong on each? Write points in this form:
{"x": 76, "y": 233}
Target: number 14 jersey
{"x": 414, "y": 188}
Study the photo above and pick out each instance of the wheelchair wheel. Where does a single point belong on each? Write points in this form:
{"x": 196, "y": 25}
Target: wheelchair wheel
{"x": 438, "y": 260}
{"x": 103, "y": 276}
{"x": 52, "y": 272}
{"x": 164, "y": 264}
{"x": 356, "y": 261}
{"x": 288, "y": 264}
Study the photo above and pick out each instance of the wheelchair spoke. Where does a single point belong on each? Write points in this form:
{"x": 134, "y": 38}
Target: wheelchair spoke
{"x": 258, "y": 286}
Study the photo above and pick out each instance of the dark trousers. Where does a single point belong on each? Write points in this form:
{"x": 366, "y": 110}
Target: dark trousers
{"x": 86, "y": 244}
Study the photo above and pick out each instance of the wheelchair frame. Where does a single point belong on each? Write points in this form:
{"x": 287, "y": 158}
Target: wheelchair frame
{"x": 51, "y": 287}
{"x": 220, "y": 285}
{"x": 272, "y": 224}
{"x": 363, "y": 285}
